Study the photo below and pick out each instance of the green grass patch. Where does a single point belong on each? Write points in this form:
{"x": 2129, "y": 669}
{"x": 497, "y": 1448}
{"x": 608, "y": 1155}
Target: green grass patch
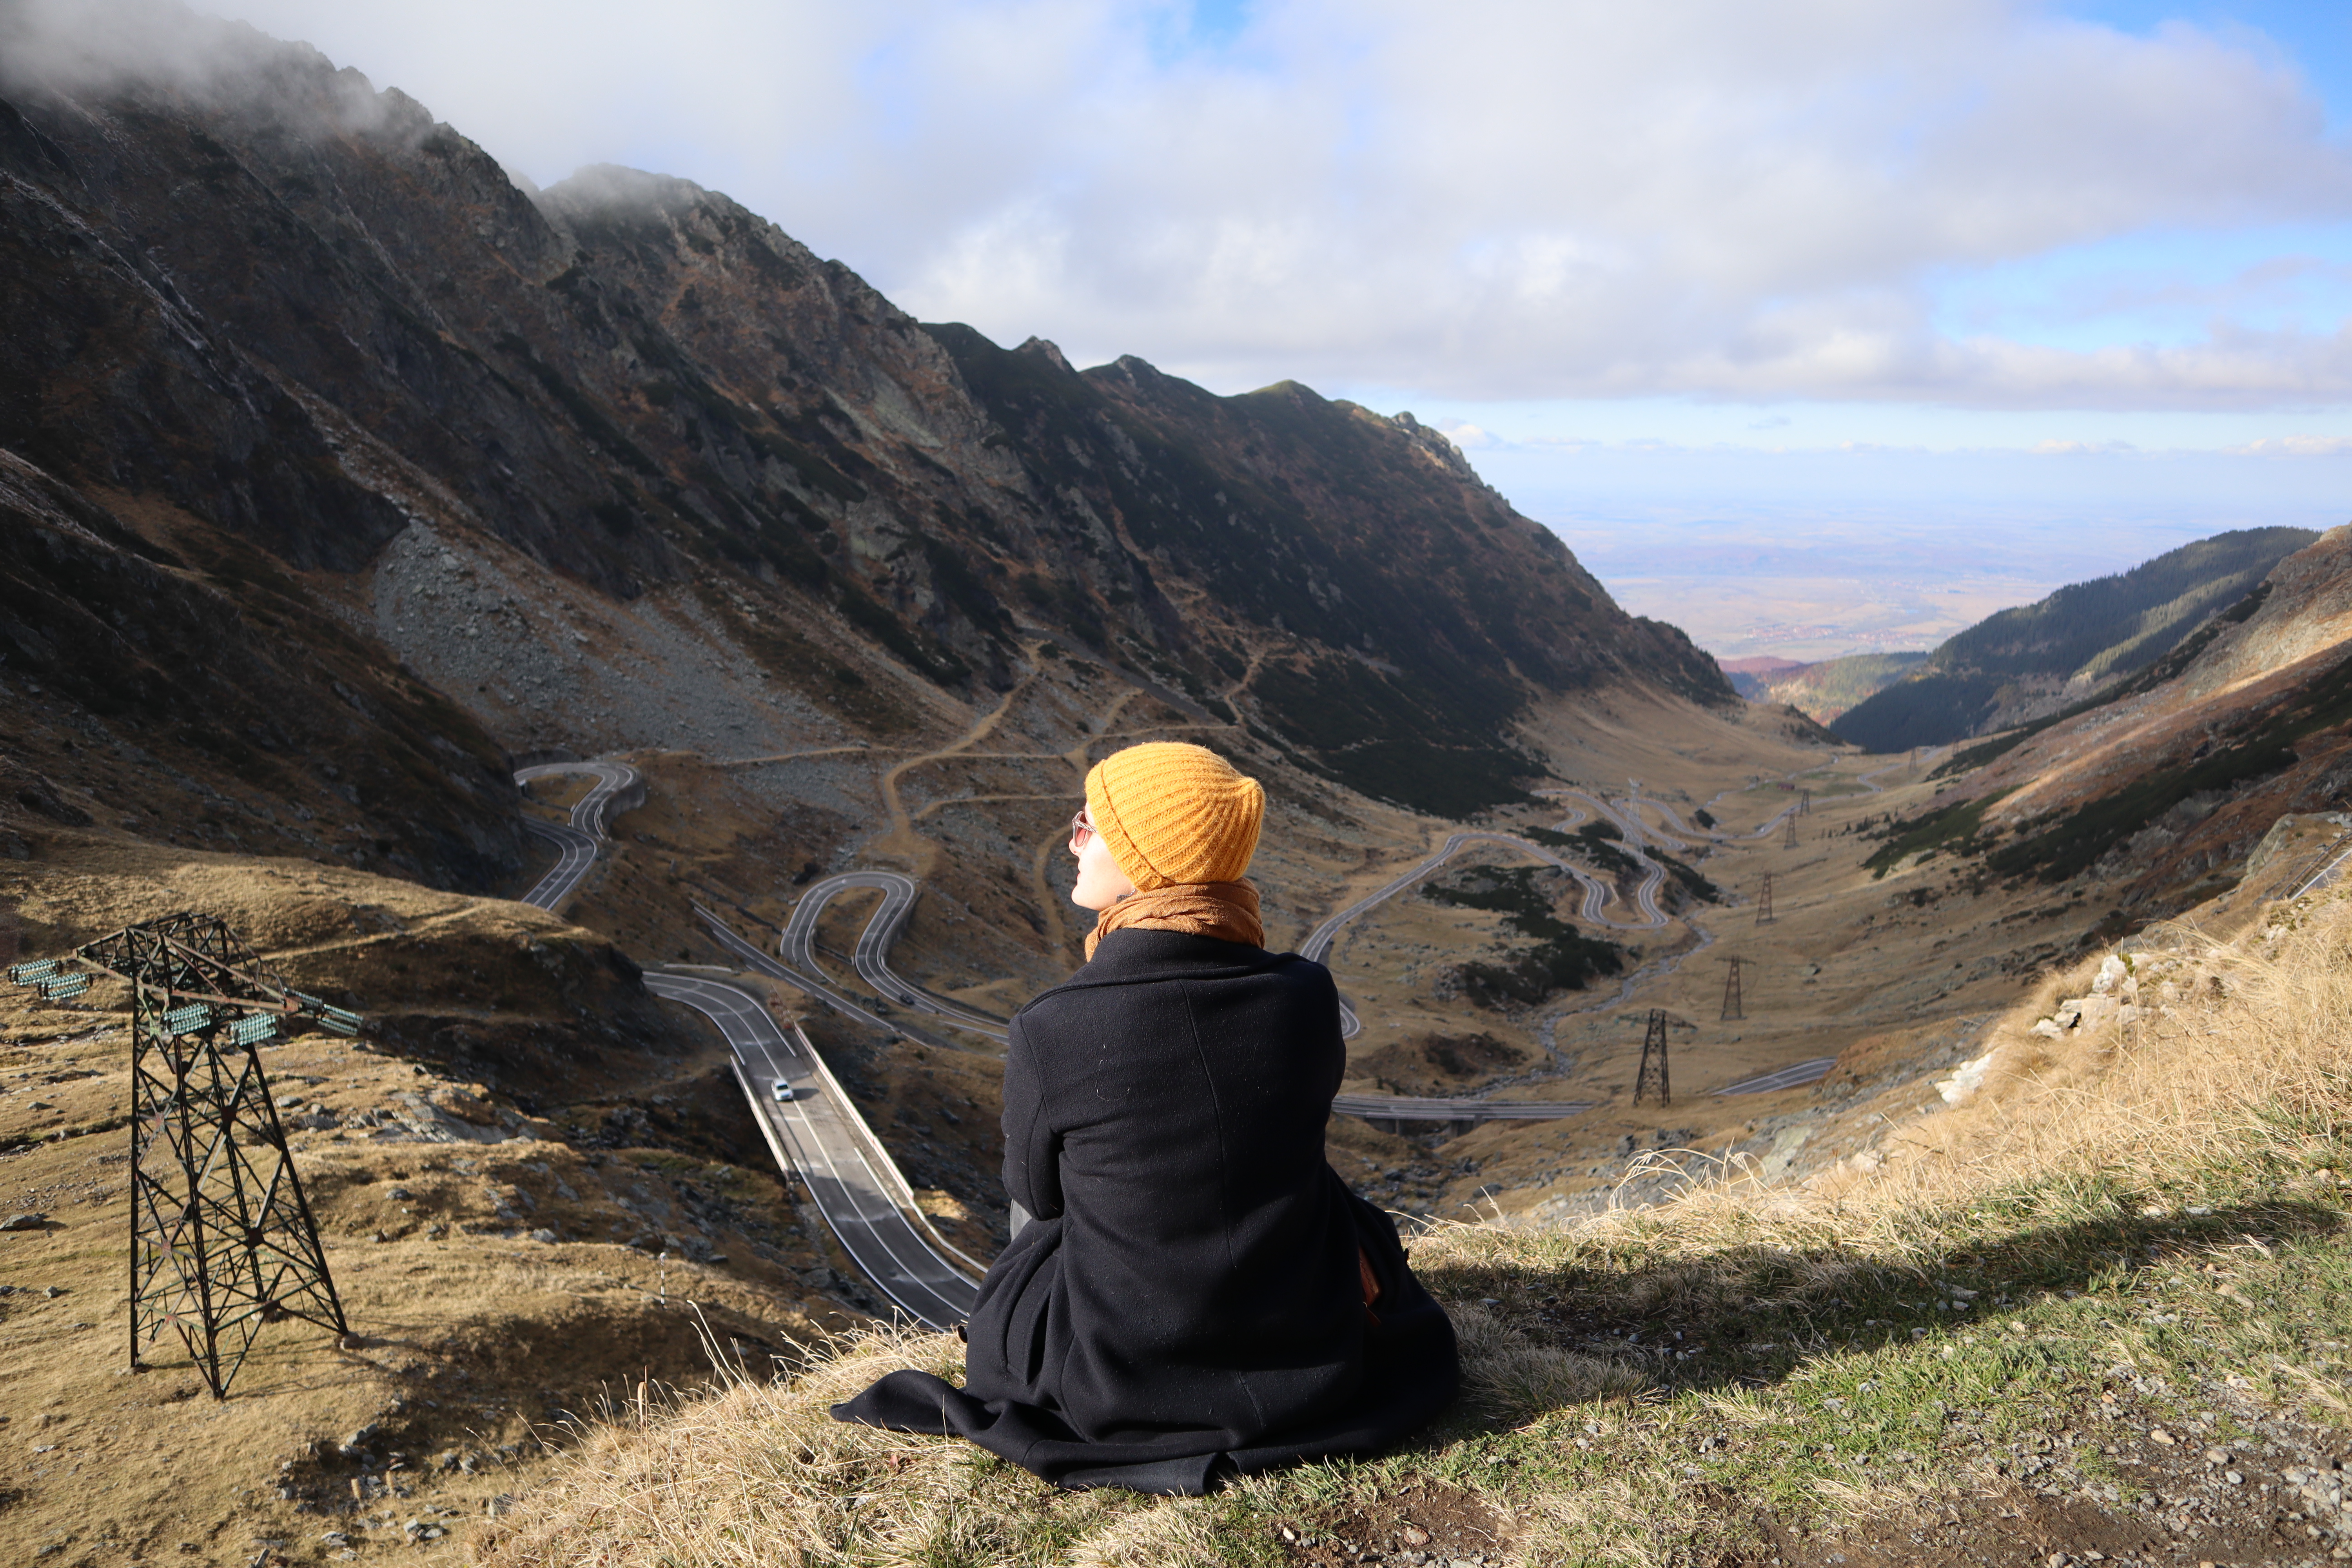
{"x": 1956, "y": 827}
{"x": 1690, "y": 879}
{"x": 1562, "y": 959}
{"x": 2022, "y": 1336}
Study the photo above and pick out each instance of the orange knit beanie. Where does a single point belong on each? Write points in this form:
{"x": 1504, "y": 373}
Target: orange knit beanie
{"x": 1174, "y": 812}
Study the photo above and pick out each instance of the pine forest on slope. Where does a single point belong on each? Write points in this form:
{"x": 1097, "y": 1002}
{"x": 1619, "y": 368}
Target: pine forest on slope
{"x": 2031, "y": 661}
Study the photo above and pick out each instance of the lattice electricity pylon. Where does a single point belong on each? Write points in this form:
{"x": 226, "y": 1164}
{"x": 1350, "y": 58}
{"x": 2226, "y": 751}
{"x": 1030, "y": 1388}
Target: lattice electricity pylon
{"x": 1653, "y": 1075}
{"x": 222, "y": 1237}
{"x": 1764, "y": 902}
{"x": 1790, "y": 842}
{"x": 1805, "y": 803}
{"x": 1732, "y": 1005}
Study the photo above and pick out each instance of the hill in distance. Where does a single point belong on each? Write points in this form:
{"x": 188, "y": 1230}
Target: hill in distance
{"x": 2039, "y": 659}
{"x": 1820, "y": 690}
{"x": 2164, "y": 790}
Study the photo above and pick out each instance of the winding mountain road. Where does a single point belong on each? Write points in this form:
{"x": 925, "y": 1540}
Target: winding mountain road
{"x": 752, "y": 958}
{"x": 818, "y": 1135}
{"x": 618, "y": 788}
{"x": 1625, "y": 817}
{"x": 872, "y": 957}
{"x": 1794, "y": 1076}
{"x": 1394, "y": 1111}
{"x": 1598, "y": 894}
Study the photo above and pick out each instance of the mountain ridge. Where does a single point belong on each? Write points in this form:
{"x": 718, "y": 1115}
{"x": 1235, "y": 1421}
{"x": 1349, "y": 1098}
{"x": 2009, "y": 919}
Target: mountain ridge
{"x": 2166, "y": 787}
{"x": 633, "y": 380}
{"x": 2036, "y": 659}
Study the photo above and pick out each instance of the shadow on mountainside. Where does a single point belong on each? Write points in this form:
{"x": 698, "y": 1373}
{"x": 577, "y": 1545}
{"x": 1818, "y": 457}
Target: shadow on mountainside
{"x": 2041, "y": 1397}
{"x": 1746, "y": 1315}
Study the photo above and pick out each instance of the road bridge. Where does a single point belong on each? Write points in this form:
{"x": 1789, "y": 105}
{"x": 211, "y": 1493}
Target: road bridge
{"x": 819, "y": 1136}
{"x": 1794, "y": 1076}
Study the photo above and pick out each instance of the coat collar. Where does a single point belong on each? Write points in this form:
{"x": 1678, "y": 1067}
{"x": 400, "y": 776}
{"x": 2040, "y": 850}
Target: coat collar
{"x": 1139, "y": 955}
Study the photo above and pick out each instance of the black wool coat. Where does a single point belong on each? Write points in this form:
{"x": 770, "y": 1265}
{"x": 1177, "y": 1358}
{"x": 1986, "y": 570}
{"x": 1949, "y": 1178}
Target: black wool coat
{"x": 1188, "y": 1301}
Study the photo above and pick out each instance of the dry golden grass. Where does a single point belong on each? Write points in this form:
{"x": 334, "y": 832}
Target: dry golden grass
{"x": 761, "y": 1474}
{"x": 2221, "y": 1091}
{"x": 2241, "y": 1048}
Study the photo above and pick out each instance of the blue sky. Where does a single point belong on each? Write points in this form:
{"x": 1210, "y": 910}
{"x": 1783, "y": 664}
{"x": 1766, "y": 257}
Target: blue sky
{"x": 2075, "y": 274}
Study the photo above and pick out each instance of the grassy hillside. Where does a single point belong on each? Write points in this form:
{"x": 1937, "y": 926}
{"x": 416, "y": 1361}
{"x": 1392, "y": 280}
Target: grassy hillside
{"x": 2100, "y": 1307}
{"x": 2034, "y": 659}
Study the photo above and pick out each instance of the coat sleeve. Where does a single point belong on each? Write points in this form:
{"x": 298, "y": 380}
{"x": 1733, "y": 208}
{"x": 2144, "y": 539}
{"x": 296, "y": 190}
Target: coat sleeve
{"x": 1033, "y": 1146}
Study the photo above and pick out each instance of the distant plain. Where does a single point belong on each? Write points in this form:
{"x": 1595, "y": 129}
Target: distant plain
{"x": 1814, "y": 553}
{"x": 1821, "y": 587}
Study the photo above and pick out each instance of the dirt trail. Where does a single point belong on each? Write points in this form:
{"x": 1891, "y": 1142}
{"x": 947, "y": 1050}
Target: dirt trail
{"x": 1256, "y": 661}
{"x": 860, "y": 750}
{"x": 1041, "y": 885}
{"x": 902, "y": 837}
{"x": 942, "y": 804}
{"x": 904, "y": 841}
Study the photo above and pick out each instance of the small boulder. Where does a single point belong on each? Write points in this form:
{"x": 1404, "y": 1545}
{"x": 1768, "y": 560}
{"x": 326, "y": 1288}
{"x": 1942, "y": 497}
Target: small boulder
{"x": 25, "y": 1222}
{"x": 1966, "y": 1080}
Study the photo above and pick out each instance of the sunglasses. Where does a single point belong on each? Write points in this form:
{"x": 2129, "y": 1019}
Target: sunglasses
{"x": 1082, "y": 828}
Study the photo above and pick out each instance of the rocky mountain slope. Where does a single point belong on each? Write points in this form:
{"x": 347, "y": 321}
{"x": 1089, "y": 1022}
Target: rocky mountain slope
{"x": 301, "y": 313}
{"x": 2037, "y": 659}
{"x": 196, "y": 693}
{"x": 2165, "y": 791}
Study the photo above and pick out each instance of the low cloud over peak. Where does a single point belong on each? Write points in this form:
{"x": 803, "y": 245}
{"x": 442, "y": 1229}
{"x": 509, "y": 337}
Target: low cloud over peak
{"x": 1567, "y": 198}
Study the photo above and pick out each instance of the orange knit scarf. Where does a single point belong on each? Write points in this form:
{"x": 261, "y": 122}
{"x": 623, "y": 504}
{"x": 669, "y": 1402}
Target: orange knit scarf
{"x": 1226, "y": 911}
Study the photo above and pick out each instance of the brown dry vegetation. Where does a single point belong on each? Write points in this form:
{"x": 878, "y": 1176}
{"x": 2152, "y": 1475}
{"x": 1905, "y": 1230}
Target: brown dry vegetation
{"x": 497, "y": 1169}
{"x": 2062, "y": 1194}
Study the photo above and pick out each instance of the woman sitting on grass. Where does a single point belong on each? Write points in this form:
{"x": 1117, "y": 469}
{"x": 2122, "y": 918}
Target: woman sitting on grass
{"x": 1191, "y": 1291}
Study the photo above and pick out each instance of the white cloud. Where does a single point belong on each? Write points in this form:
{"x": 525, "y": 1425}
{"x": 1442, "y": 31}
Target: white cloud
{"x": 2082, "y": 448}
{"x": 1525, "y": 198}
{"x": 2295, "y": 446}
{"x": 1466, "y": 436}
